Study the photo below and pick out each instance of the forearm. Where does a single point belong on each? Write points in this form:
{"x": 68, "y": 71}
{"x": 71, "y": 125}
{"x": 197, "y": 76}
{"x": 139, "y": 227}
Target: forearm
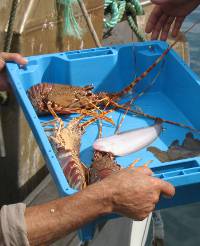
{"x": 48, "y": 222}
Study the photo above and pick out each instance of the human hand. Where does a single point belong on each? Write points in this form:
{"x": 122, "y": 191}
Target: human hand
{"x": 167, "y": 13}
{"x": 131, "y": 192}
{"x": 134, "y": 193}
{"x": 4, "y": 57}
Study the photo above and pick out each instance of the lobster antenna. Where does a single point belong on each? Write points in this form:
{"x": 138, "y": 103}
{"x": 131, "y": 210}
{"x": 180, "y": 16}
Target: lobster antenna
{"x": 97, "y": 117}
{"x": 150, "y": 68}
{"x": 142, "y": 114}
{"x": 148, "y": 87}
{"x": 139, "y": 95}
{"x": 123, "y": 117}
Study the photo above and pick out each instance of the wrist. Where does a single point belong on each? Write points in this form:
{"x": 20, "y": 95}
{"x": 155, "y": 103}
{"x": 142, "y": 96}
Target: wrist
{"x": 102, "y": 196}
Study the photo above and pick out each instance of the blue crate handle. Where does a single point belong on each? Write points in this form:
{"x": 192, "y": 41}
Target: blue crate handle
{"x": 89, "y": 53}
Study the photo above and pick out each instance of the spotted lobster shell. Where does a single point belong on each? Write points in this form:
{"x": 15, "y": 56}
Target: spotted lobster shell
{"x": 103, "y": 165}
{"x": 66, "y": 144}
{"x": 64, "y": 99}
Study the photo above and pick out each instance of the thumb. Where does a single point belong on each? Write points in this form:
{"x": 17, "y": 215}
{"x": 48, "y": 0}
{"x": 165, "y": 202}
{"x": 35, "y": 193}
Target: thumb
{"x": 166, "y": 188}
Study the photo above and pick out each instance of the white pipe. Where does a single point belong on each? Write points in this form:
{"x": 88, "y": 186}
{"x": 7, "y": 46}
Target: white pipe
{"x": 139, "y": 232}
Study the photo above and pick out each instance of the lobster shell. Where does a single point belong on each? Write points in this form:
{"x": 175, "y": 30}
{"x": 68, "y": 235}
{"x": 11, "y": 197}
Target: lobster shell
{"x": 103, "y": 165}
{"x": 66, "y": 144}
{"x": 64, "y": 99}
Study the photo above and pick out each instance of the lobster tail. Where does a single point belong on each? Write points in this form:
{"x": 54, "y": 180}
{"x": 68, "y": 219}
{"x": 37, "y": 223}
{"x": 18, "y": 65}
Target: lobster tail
{"x": 74, "y": 170}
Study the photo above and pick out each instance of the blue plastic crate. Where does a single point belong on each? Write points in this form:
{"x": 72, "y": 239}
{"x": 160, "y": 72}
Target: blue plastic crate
{"x": 175, "y": 95}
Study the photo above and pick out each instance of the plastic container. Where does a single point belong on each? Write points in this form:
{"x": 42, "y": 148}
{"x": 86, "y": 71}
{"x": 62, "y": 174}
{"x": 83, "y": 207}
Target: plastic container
{"x": 174, "y": 95}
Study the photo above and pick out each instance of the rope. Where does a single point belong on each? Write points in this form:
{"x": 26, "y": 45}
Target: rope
{"x": 132, "y": 20}
{"x": 71, "y": 26}
{"x": 115, "y": 10}
{"x": 9, "y": 35}
{"x": 138, "y": 7}
{"x": 134, "y": 28}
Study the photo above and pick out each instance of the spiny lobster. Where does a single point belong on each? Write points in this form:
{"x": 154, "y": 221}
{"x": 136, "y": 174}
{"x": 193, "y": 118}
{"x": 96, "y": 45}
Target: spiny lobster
{"x": 66, "y": 141}
{"x": 66, "y": 99}
{"x": 66, "y": 144}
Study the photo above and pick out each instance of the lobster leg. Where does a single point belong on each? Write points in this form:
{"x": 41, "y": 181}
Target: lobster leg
{"x": 147, "y": 163}
{"x": 98, "y": 116}
{"x": 137, "y": 160}
{"x": 133, "y": 163}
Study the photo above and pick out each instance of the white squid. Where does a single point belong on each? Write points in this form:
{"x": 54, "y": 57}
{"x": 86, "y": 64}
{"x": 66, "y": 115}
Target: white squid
{"x": 129, "y": 142}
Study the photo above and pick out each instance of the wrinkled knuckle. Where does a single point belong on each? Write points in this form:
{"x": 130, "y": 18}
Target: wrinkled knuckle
{"x": 156, "y": 183}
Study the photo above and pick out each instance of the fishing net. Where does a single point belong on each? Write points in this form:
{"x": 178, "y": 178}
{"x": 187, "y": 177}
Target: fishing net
{"x": 71, "y": 26}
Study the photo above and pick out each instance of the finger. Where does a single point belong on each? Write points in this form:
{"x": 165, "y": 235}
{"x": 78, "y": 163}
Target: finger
{"x": 159, "y": 26}
{"x": 153, "y": 18}
{"x": 177, "y": 25}
{"x": 166, "y": 188}
{"x": 165, "y": 30}
{"x": 141, "y": 170}
{"x": 13, "y": 57}
{"x": 2, "y": 63}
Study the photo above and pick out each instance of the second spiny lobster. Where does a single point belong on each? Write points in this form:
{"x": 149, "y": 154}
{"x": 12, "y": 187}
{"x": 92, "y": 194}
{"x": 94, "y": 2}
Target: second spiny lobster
{"x": 66, "y": 141}
{"x": 66, "y": 144}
